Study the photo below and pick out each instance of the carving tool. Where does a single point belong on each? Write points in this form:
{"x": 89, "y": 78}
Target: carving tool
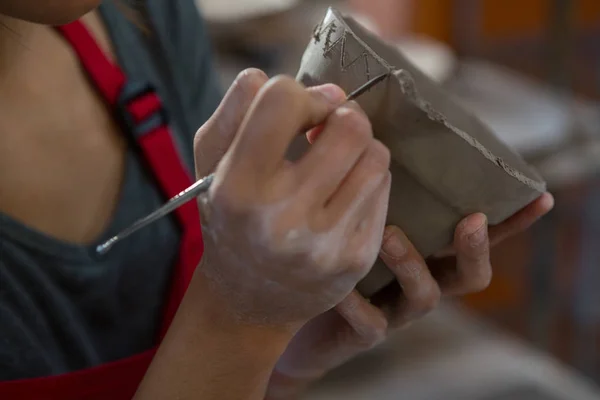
{"x": 201, "y": 186}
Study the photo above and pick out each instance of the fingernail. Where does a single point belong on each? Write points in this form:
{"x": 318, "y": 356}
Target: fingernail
{"x": 392, "y": 244}
{"x": 476, "y": 230}
{"x": 547, "y": 201}
{"x": 332, "y": 93}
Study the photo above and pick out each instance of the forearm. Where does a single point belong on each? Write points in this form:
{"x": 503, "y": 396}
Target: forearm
{"x": 207, "y": 355}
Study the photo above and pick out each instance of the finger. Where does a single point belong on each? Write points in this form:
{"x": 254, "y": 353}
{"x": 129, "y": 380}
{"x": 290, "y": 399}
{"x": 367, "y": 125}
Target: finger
{"x": 367, "y": 321}
{"x": 314, "y": 133}
{"x": 281, "y": 110}
{"x": 519, "y": 222}
{"x": 366, "y": 229}
{"x": 473, "y": 271}
{"x": 345, "y": 139}
{"x": 523, "y": 219}
{"x": 371, "y": 219}
{"x": 214, "y": 138}
{"x": 421, "y": 292}
{"x": 353, "y": 191}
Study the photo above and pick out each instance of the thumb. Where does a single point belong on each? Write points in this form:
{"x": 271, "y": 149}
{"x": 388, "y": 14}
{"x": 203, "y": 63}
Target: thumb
{"x": 214, "y": 137}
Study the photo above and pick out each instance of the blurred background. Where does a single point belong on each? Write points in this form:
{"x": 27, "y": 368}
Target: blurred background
{"x": 531, "y": 70}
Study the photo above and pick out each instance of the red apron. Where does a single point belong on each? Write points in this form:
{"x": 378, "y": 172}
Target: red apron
{"x": 141, "y": 111}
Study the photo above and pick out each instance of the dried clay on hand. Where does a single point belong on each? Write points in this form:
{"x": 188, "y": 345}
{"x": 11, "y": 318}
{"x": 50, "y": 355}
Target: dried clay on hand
{"x": 445, "y": 163}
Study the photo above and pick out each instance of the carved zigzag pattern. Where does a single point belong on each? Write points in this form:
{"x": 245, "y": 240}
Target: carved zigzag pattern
{"x": 345, "y": 61}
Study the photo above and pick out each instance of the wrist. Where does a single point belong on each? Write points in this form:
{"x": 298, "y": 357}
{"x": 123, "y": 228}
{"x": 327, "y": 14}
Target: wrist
{"x": 235, "y": 302}
{"x": 213, "y": 311}
{"x": 206, "y": 349}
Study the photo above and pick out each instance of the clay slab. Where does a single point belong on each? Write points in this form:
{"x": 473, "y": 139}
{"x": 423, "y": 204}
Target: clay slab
{"x": 446, "y": 164}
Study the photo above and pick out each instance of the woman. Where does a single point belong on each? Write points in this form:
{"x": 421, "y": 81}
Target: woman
{"x": 98, "y": 119}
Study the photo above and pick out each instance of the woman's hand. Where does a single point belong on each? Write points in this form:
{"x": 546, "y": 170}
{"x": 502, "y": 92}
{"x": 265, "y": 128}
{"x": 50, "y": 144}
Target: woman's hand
{"x": 284, "y": 241}
{"x": 356, "y": 324}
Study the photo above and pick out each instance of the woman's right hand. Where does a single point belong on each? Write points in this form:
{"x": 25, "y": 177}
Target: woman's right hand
{"x": 287, "y": 241}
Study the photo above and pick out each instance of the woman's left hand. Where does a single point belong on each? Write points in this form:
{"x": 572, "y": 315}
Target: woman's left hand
{"x": 357, "y": 324}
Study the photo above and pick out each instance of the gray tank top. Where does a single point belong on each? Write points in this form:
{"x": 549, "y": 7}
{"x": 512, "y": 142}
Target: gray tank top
{"x": 62, "y": 308}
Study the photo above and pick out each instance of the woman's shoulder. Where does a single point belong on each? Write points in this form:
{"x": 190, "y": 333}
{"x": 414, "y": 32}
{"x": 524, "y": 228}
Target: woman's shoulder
{"x": 174, "y": 34}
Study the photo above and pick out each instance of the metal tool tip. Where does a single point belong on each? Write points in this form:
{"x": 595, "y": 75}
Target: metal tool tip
{"x": 104, "y": 247}
{"x": 367, "y": 86}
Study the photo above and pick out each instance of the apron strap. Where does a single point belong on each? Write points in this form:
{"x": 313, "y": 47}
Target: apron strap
{"x": 117, "y": 380}
{"x": 107, "y": 77}
{"x": 142, "y": 115}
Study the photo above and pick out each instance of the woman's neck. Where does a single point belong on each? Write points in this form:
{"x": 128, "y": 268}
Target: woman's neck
{"x": 17, "y": 39}
{"x": 22, "y": 41}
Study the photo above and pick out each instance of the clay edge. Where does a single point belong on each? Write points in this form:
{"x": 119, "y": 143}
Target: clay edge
{"x": 405, "y": 79}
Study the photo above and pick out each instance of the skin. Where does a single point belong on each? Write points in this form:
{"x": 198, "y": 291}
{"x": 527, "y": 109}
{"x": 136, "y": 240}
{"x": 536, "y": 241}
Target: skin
{"x": 357, "y": 324}
{"x": 295, "y": 222}
{"x": 219, "y": 336}
{"x": 54, "y": 12}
